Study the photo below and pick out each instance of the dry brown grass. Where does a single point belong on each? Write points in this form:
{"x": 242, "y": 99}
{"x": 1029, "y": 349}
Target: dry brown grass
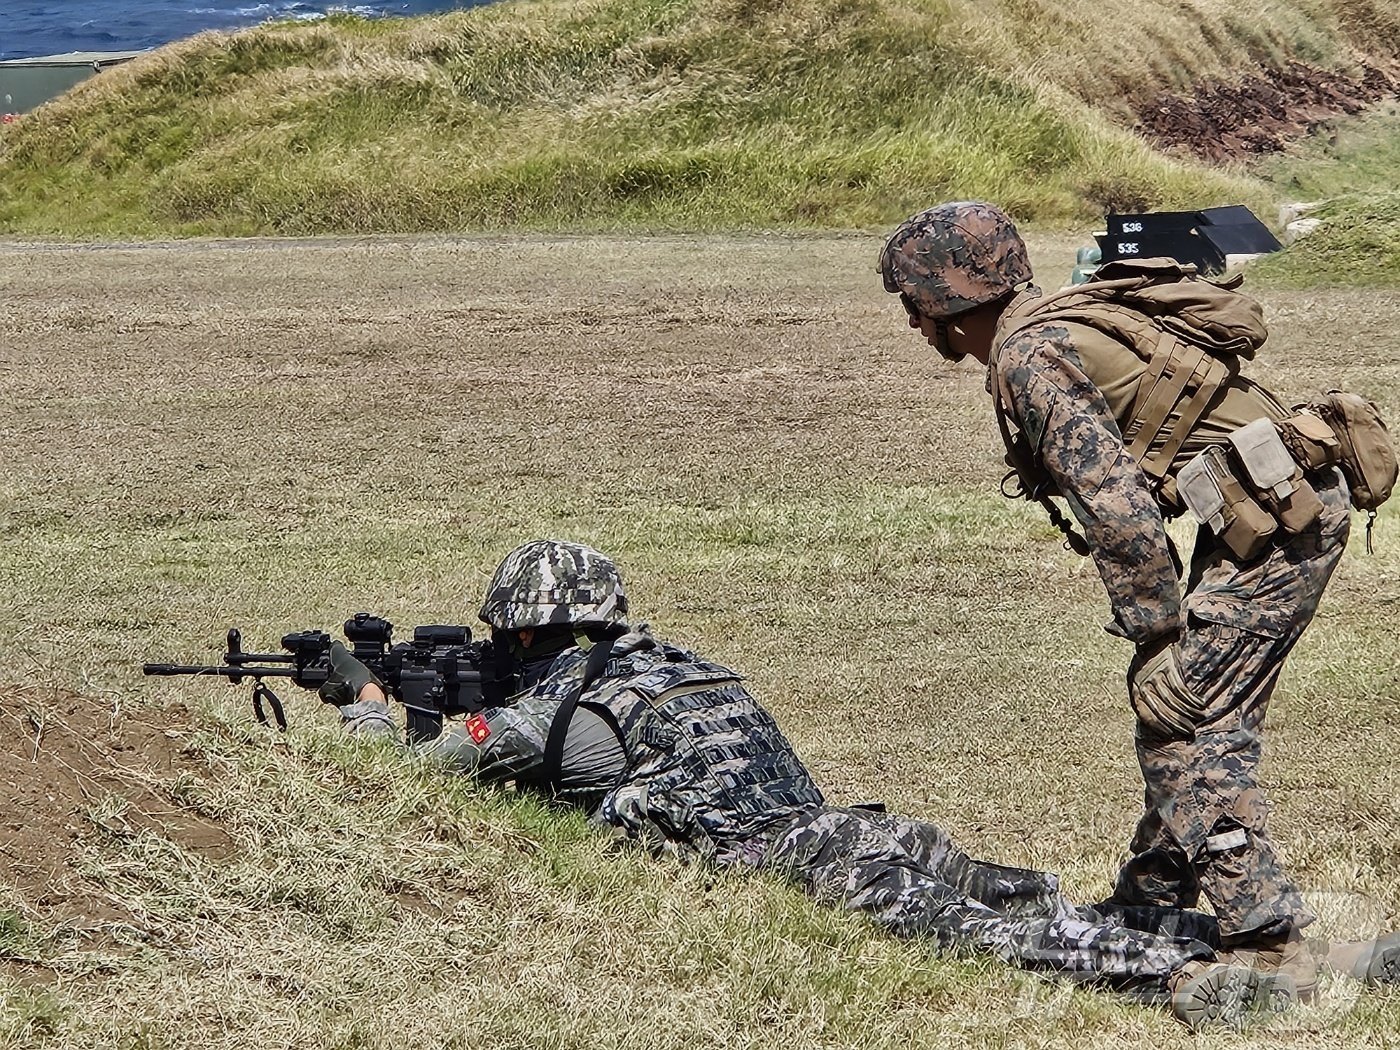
{"x": 278, "y": 434}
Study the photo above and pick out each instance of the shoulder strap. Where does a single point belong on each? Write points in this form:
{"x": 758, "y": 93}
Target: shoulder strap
{"x": 548, "y": 781}
{"x": 1180, "y": 378}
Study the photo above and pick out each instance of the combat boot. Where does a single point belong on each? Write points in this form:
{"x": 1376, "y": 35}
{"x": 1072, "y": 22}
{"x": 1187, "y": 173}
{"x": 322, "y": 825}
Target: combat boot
{"x": 1376, "y": 961}
{"x": 1287, "y": 955}
{"x": 1215, "y": 994}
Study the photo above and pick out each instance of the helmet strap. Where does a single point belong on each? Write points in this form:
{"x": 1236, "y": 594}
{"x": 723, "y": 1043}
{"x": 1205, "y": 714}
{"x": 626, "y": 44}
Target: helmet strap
{"x": 941, "y": 343}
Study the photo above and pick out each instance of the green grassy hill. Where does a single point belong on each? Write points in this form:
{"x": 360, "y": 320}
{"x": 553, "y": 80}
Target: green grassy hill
{"x": 1353, "y": 172}
{"x": 674, "y": 114}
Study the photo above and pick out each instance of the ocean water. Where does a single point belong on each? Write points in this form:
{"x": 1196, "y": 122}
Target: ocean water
{"x": 29, "y": 28}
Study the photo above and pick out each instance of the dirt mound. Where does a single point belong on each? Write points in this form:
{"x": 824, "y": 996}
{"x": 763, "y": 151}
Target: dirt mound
{"x": 75, "y": 769}
{"x": 1259, "y": 114}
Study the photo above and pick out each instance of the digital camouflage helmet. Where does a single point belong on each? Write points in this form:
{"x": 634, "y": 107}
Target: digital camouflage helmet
{"x": 547, "y": 582}
{"x": 955, "y": 257}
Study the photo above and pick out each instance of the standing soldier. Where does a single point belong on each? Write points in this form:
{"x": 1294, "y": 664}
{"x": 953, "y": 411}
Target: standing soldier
{"x": 1124, "y": 397}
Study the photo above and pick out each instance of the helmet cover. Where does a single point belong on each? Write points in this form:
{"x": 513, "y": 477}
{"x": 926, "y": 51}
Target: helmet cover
{"x": 955, "y": 257}
{"x": 546, "y": 582}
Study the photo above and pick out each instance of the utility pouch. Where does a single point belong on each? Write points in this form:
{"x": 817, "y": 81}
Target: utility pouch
{"x": 1275, "y": 475}
{"x": 1367, "y": 455}
{"x": 1219, "y": 501}
{"x": 1300, "y": 509}
{"x": 1310, "y": 440}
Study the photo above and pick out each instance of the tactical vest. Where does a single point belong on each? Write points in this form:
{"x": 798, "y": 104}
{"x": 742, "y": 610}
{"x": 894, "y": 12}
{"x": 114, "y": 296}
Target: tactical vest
{"x": 705, "y": 762}
{"x": 1188, "y": 336}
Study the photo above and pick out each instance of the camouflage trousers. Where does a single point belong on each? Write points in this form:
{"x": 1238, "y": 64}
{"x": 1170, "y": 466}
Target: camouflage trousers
{"x": 1203, "y": 828}
{"x": 909, "y": 877}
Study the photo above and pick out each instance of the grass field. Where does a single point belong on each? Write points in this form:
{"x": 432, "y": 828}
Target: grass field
{"x": 657, "y": 115}
{"x": 275, "y": 435}
{"x": 1351, "y": 172}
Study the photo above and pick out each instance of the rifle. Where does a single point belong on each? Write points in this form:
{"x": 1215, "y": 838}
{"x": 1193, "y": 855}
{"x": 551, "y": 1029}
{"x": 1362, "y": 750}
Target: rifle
{"x": 440, "y": 674}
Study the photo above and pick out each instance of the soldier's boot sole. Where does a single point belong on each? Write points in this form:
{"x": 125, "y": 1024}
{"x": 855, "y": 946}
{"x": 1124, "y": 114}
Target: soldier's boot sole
{"x": 1371, "y": 962}
{"x": 1383, "y": 967}
{"x": 1223, "y": 996}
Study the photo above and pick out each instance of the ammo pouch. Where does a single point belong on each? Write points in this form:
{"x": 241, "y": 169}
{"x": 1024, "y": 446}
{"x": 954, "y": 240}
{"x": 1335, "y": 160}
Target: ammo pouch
{"x": 1209, "y": 488}
{"x": 1247, "y": 490}
{"x": 1274, "y": 474}
{"x": 1364, "y": 449}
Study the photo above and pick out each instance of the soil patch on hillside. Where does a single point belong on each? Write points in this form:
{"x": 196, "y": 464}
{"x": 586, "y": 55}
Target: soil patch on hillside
{"x": 1260, "y": 114}
{"x": 78, "y": 771}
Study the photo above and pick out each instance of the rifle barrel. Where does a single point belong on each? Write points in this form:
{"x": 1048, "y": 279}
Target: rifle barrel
{"x": 226, "y": 670}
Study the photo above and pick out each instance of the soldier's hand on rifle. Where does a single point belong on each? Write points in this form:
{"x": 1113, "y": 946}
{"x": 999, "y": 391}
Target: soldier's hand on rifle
{"x": 349, "y": 681}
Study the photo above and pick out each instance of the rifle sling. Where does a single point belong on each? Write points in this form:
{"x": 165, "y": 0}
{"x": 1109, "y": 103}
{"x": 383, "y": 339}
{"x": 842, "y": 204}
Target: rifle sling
{"x": 262, "y": 692}
{"x": 1021, "y": 459}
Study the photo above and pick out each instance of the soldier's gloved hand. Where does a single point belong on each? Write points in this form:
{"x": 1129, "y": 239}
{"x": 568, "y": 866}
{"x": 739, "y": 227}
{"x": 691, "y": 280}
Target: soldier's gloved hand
{"x": 347, "y": 676}
{"x": 1166, "y": 708}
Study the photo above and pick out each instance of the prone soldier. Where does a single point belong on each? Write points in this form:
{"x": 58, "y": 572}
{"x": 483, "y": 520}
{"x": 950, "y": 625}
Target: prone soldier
{"x": 672, "y": 751}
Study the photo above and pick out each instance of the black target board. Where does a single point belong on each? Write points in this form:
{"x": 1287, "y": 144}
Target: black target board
{"x": 1204, "y": 237}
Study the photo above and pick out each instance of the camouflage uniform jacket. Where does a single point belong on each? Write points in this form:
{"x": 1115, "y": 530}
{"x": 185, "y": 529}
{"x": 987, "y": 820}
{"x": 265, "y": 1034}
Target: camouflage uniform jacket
{"x": 703, "y": 766}
{"x": 1072, "y": 390}
{"x": 1075, "y": 438}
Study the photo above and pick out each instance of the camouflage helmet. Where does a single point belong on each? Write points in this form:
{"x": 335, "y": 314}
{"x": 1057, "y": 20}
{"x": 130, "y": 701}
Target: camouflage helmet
{"x": 952, "y": 258}
{"x": 554, "y": 582}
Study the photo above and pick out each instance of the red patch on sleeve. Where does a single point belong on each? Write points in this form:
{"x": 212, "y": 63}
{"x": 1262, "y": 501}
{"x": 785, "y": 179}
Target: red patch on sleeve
{"x": 477, "y": 727}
